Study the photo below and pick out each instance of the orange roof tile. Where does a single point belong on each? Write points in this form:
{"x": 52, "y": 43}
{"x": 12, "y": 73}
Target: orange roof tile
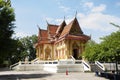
{"x": 69, "y": 28}
{"x": 52, "y": 29}
{"x": 43, "y": 34}
{"x": 61, "y": 27}
{"x": 66, "y": 29}
{"x": 55, "y": 33}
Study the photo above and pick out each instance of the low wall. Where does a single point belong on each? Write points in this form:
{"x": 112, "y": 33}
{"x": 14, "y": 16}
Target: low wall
{"x": 29, "y": 67}
{"x": 62, "y": 68}
{"x": 55, "y": 68}
{"x": 111, "y": 66}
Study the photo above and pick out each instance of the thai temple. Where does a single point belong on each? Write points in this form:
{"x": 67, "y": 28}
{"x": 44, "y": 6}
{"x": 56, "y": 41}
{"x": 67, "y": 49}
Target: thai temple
{"x": 62, "y": 41}
{"x": 59, "y": 49}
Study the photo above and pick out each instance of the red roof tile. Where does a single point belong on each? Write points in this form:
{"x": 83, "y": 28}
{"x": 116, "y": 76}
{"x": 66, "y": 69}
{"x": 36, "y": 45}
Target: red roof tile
{"x": 52, "y": 29}
{"x": 58, "y": 33}
{"x": 43, "y": 34}
{"x": 60, "y": 28}
{"x": 66, "y": 29}
{"x": 71, "y": 27}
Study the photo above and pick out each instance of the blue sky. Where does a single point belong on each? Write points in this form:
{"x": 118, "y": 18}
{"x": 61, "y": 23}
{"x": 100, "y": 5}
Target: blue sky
{"x": 94, "y": 16}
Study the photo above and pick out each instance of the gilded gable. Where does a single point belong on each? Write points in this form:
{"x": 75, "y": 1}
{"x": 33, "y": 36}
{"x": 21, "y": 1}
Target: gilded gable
{"x": 75, "y": 28}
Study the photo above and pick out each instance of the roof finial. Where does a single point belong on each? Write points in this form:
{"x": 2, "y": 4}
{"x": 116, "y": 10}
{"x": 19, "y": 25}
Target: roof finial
{"x": 38, "y": 26}
{"x": 64, "y": 18}
{"x": 47, "y": 22}
{"x": 76, "y": 14}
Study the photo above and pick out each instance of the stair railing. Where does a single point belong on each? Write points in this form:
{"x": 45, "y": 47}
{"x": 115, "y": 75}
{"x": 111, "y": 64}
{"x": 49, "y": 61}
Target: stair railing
{"x": 18, "y": 63}
{"x": 100, "y": 65}
{"x": 72, "y": 58}
{"x": 86, "y": 66}
{"x": 36, "y": 59}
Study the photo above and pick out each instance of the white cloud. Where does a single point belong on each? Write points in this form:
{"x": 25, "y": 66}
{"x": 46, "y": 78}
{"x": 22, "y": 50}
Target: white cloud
{"x": 21, "y": 34}
{"x": 49, "y": 19}
{"x": 98, "y": 21}
{"x": 61, "y": 6}
{"x": 100, "y": 8}
{"x": 64, "y": 8}
{"x": 88, "y": 4}
{"x": 98, "y": 24}
{"x": 58, "y": 21}
{"x": 94, "y": 21}
{"x": 67, "y": 20}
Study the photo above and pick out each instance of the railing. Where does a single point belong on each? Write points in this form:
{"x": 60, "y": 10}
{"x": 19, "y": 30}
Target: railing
{"x": 66, "y": 62}
{"x": 18, "y": 63}
{"x": 46, "y": 62}
{"x": 101, "y": 66}
{"x": 72, "y": 58}
{"x": 36, "y": 59}
{"x": 86, "y": 66}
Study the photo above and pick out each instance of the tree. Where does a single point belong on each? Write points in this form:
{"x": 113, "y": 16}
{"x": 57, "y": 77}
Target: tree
{"x": 91, "y": 50}
{"x": 17, "y": 53}
{"x": 28, "y": 45}
{"x": 115, "y": 25}
{"x": 106, "y": 50}
{"x": 111, "y": 45}
{"x": 7, "y": 17}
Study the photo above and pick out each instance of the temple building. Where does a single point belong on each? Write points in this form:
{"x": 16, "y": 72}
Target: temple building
{"x": 62, "y": 41}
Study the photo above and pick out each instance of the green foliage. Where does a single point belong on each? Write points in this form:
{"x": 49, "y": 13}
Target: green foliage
{"x": 28, "y": 45}
{"x": 110, "y": 45}
{"x": 90, "y": 50}
{"x": 23, "y": 47}
{"x": 7, "y": 17}
{"x": 106, "y": 50}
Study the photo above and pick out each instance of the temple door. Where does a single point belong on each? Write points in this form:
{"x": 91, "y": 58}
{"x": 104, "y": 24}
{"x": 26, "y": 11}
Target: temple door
{"x": 75, "y": 51}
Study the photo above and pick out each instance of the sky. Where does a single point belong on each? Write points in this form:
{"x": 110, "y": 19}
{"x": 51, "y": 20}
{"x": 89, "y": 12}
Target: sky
{"x": 94, "y": 16}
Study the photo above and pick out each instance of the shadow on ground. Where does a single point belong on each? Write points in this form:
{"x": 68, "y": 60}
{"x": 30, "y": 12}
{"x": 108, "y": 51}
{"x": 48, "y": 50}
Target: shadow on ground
{"x": 22, "y": 76}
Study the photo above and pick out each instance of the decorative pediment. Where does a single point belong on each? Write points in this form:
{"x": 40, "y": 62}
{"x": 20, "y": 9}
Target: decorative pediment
{"x": 75, "y": 28}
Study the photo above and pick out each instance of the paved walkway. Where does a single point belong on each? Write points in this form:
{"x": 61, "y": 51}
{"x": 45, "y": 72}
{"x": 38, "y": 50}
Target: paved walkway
{"x": 42, "y": 75}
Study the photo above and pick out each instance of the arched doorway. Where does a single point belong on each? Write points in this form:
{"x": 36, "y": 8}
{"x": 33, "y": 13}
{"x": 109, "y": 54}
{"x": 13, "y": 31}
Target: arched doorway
{"x": 75, "y": 51}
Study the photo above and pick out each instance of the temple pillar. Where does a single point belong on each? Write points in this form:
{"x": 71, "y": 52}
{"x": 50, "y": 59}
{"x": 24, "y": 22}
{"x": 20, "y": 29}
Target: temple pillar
{"x": 53, "y": 51}
{"x": 69, "y": 49}
{"x": 39, "y": 52}
{"x": 43, "y": 53}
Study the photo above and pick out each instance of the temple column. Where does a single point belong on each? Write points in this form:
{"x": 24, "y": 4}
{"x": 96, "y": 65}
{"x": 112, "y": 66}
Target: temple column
{"x": 69, "y": 49}
{"x": 43, "y": 53}
{"x": 52, "y": 54}
{"x": 58, "y": 54}
{"x": 39, "y": 52}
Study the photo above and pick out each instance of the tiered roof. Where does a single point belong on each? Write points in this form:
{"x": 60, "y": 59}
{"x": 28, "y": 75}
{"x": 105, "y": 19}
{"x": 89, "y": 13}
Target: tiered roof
{"x": 52, "y": 30}
{"x": 55, "y": 33}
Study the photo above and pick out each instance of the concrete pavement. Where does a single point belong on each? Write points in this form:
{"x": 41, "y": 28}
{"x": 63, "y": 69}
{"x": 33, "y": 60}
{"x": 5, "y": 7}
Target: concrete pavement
{"x": 42, "y": 75}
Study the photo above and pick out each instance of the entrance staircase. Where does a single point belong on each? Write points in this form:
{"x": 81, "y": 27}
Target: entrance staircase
{"x": 95, "y": 68}
{"x": 56, "y": 66}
